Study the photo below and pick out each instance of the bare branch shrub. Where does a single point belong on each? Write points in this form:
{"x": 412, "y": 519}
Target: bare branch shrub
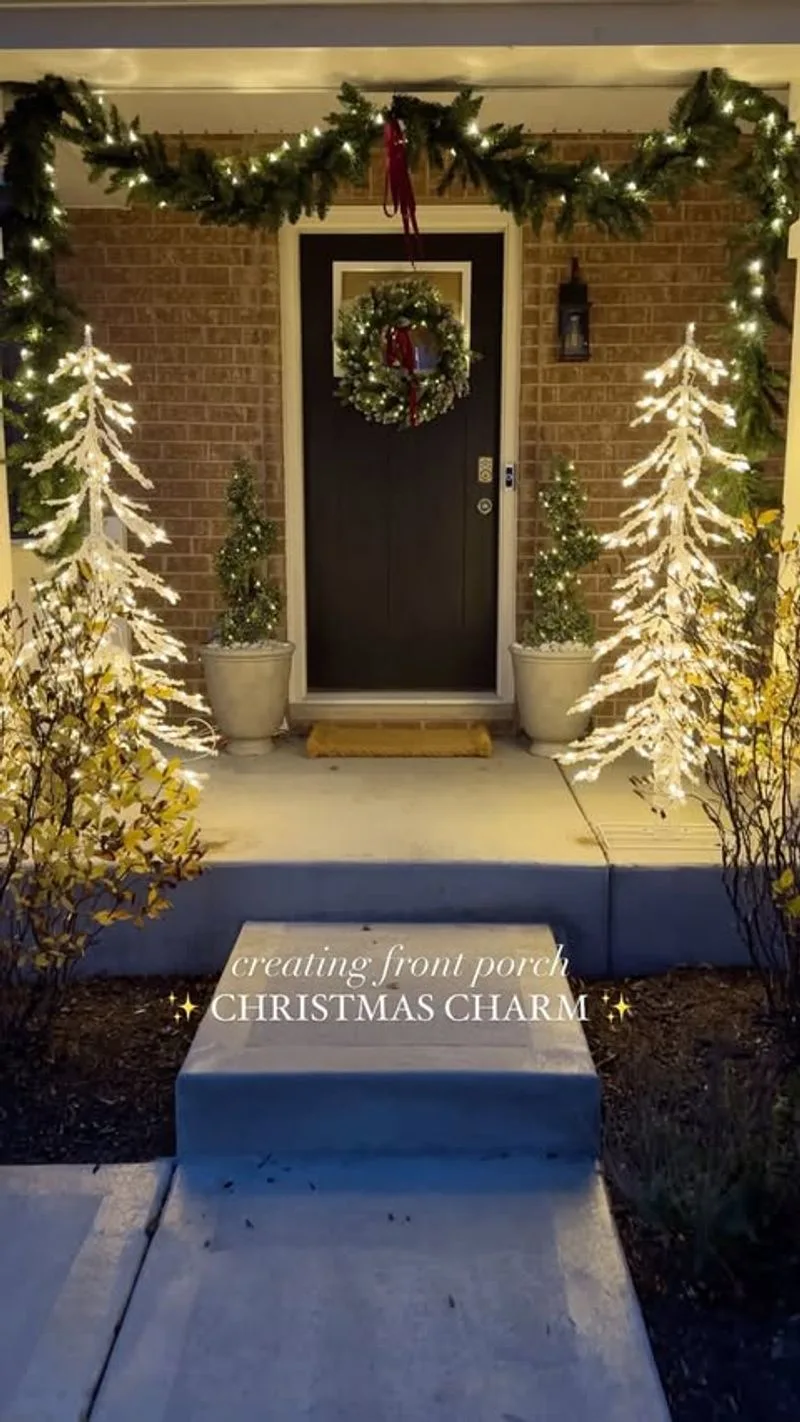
{"x": 752, "y": 797}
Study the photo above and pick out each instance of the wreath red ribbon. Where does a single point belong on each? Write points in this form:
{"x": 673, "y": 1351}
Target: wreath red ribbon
{"x": 398, "y": 187}
{"x": 400, "y": 351}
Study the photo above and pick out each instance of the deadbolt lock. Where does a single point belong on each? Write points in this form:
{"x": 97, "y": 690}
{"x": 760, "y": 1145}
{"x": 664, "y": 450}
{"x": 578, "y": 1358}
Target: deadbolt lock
{"x": 485, "y": 469}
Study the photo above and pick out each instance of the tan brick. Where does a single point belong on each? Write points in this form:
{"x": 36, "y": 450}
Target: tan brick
{"x": 195, "y": 309}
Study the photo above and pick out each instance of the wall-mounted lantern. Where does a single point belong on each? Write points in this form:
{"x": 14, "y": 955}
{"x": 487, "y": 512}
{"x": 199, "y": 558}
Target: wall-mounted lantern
{"x": 573, "y": 317}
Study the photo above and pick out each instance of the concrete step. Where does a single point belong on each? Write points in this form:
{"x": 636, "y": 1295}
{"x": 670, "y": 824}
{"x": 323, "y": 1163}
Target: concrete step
{"x": 387, "y": 1290}
{"x": 433, "y": 1038}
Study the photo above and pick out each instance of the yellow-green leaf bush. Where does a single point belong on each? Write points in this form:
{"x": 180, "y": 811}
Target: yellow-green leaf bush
{"x": 96, "y": 826}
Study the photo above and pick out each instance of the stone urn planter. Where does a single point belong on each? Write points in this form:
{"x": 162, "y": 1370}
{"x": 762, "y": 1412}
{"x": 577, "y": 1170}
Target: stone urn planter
{"x": 549, "y": 680}
{"x": 247, "y": 667}
{"x": 248, "y": 690}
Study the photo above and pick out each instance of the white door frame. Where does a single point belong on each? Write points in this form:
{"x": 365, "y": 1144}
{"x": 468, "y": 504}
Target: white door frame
{"x": 463, "y": 218}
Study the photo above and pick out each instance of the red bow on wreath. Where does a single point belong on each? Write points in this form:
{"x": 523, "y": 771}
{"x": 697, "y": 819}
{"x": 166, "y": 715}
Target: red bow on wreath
{"x": 398, "y": 186}
{"x": 400, "y": 351}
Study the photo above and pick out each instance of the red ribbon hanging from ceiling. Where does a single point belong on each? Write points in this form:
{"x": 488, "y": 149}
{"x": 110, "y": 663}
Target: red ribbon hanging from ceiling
{"x": 400, "y": 351}
{"x": 398, "y": 187}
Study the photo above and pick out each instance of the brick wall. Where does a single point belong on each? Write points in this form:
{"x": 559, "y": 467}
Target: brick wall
{"x": 643, "y": 293}
{"x": 196, "y": 311}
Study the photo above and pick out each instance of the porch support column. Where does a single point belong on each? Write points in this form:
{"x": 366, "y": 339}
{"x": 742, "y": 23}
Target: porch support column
{"x": 791, "y": 468}
{"x": 6, "y": 577}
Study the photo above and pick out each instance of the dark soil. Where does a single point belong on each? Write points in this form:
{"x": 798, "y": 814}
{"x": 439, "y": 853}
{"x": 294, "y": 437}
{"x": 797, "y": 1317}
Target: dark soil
{"x": 100, "y": 1085}
{"x": 725, "y": 1332}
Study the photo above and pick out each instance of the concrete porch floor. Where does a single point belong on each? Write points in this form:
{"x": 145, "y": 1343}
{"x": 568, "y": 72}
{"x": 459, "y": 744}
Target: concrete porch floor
{"x": 511, "y": 807}
{"x": 502, "y": 840}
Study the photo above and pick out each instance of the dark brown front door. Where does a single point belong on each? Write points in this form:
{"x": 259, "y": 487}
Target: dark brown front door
{"x": 401, "y": 563}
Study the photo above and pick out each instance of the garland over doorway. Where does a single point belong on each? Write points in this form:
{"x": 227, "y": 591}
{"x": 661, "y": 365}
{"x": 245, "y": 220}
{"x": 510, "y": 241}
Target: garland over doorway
{"x": 704, "y": 138}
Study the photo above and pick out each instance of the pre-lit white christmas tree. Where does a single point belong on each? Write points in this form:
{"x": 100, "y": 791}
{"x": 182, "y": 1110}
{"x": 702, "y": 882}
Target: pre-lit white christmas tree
{"x": 669, "y": 600}
{"x": 101, "y": 572}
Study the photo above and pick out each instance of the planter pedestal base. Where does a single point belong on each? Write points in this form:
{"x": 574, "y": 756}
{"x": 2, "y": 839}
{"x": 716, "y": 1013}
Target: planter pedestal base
{"x": 548, "y": 749}
{"x": 252, "y": 747}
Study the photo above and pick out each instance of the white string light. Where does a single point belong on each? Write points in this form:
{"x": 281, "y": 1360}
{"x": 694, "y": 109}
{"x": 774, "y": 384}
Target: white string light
{"x": 91, "y": 422}
{"x": 668, "y": 586}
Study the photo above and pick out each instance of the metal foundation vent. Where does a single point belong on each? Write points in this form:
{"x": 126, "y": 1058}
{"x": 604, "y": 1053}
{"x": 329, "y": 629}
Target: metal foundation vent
{"x": 660, "y": 839}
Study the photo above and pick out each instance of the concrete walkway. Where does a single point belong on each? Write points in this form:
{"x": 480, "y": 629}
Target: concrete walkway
{"x": 427, "y": 1290}
{"x": 341, "y": 1289}
{"x": 72, "y": 1240}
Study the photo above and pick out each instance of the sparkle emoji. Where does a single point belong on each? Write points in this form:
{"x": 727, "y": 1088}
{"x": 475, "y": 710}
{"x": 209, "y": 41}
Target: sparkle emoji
{"x": 187, "y": 1007}
{"x": 618, "y": 1010}
{"x": 621, "y": 1007}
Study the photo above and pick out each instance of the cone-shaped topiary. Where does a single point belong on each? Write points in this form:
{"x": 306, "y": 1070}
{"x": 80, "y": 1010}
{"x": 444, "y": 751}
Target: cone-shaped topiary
{"x": 252, "y": 601}
{"x": 560, "y": 614}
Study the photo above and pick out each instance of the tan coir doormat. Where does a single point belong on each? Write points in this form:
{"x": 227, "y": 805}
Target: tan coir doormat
{"x": 329, "y": 739}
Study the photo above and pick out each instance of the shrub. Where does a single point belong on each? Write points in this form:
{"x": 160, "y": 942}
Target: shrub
{"x": 95, "y": 825}
{"x": 712, "y": 1177}
{"x": 751, "y": 798}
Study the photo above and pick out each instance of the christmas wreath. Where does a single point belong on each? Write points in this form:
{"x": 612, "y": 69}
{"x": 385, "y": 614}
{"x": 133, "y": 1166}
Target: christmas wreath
{"x": 403, "y": 356}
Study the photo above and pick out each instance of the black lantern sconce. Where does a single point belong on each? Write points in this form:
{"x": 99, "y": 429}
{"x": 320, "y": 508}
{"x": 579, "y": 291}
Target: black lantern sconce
{"x": 573, "y": 317}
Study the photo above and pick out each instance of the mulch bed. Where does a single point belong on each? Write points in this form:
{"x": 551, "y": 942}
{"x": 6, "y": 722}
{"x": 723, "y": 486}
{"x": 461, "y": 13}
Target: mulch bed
{"x": 727, "y": 1342}
{"x": 101, "y": 1089}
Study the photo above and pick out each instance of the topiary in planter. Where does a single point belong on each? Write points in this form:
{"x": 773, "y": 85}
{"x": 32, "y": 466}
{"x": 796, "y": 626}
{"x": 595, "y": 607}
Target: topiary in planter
{"x": 246, "y": 667}
{"x": 553, "y": 664}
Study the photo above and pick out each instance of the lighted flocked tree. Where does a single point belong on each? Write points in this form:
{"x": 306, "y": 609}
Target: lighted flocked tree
{"x": 672, "y": 602}
{"x": 560, "y": 615}
{"x": 89, "y": 423}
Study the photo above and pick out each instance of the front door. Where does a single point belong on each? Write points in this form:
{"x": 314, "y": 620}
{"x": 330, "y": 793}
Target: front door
{"x": 401, "y": 526}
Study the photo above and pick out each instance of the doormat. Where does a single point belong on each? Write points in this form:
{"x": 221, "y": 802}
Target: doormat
{"x": 329, "y": 739}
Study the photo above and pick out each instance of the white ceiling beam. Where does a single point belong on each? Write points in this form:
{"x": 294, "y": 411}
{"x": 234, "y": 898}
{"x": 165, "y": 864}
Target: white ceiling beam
{"x": 268, "y": 70}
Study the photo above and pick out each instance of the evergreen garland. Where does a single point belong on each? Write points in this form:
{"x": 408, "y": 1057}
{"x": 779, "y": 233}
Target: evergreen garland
{"x": 253, "y": 602}
{"x": 560, "y": 614}
{"x": 304, "y": 173}
{"x": 37, "y": 316}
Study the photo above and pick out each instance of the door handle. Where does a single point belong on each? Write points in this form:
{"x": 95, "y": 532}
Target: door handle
{"x": 484, "y": 506}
